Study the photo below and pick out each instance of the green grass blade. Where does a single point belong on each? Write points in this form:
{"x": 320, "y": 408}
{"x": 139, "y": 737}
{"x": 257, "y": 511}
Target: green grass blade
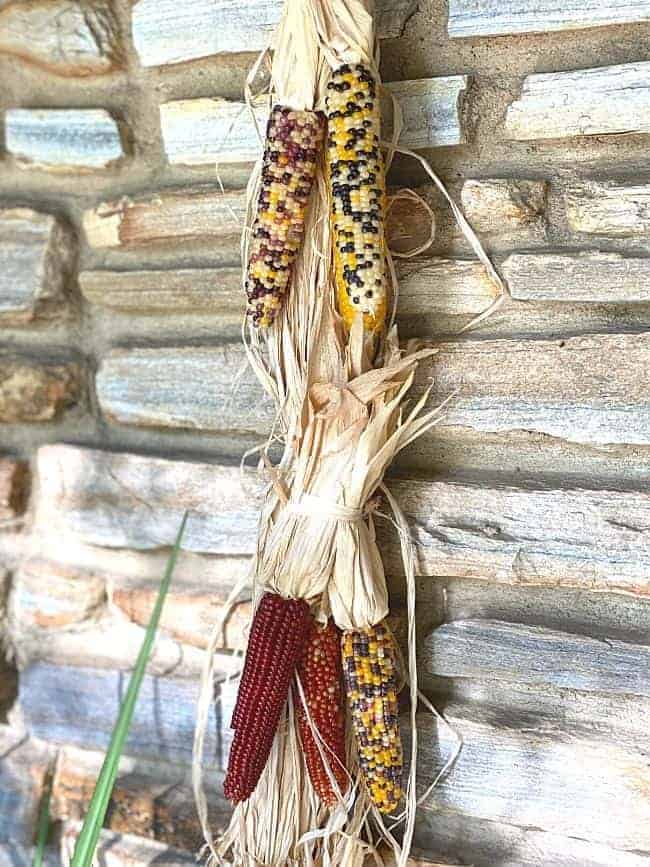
{"x": 86, "y": 844}
{"x": 43, "y": 828}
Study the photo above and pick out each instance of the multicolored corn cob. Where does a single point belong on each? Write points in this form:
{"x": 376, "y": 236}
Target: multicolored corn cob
{"x": 370, "y": 677}
{"x": 277, "y": 636}
{"x": 320, "y": 673}
{"x": 358, "y": 193}
{"x": 293, "y": 141}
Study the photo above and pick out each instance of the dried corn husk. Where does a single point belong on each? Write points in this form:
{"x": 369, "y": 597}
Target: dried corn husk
{"x": 342, "y": 415}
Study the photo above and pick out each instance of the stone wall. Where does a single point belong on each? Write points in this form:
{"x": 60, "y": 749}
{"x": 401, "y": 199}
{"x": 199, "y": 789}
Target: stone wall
{"x": 124, "y": 151}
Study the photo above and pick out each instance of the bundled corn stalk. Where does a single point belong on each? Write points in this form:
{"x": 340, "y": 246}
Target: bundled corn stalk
{"x": 319, "y": 631}
{"x": 316, "y": 766}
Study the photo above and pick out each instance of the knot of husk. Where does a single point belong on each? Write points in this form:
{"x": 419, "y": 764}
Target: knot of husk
{"x": 318, "y": 540}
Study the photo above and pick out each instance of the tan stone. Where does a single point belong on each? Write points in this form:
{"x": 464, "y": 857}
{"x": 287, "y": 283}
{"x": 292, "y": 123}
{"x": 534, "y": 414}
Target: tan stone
{"x": 64, "y": 36}
{"x": 214, "y": 292}
{"x": 609, "y": 208}
{"x": 149, "y": 799}
{"x": 157, "y": 388}
{"x": 504, "y": 204}
{"x": 177, "y": 215}
{"x": 188, "y": 617}
{"x": 13, "y": 488}
{"x": 51, "y": 595}
{"x": 30, "y": 392}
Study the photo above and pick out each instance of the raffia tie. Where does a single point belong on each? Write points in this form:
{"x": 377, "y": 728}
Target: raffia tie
{"x": 319, "y": 507}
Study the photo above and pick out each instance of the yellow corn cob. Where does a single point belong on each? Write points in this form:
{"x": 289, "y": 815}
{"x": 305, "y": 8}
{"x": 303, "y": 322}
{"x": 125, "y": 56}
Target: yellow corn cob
{"x": 357, "y": 194}
{"x": 371, "y": 685}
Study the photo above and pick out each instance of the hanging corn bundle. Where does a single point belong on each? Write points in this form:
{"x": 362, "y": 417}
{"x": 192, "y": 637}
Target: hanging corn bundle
{"x": 316, "y": 763}
{"x": 306, "y": 786}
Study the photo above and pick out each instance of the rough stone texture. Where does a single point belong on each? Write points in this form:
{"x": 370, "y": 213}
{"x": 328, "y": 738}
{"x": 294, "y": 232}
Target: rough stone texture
{"x": 14, "y": 478}
{"x": 36, "y": 255}
{"x": 590, "y": 539}
{"x": 492, "y": 649}
{"x": 188, "y": 616}
{"x": 150, "y": 799}
{"x": 177, "y": 215}
{"x": 65, "y": 37}
{"x": 133, "y": 501}
{"x": 463, "y": 530}
{"x": 517, "y": 207}
{"x": 605, "y": 779}
{"x": 207, "y": 131}
{"x": 129, "y": 389}
{"x": 487, "y": 843}
{"x": 435, "y": 286}
{"x": 596, "y": 767}
{"x": 166, "y": 32}
{"x": 492, "y": 18}
{"x": 23, "y": 768}
{"x": 607, "y": 100}
{"x": 590, "y": 277}
{"x": 510, "y": 210}
{"x": 609, "y": 208}
{"x": 107, "y": 642}
{"x": 30, "y": 392}
{"x": 599, "y": 616}
{"x": 53, "y": 595}
{"x": 208, "y": 291}
{"x": 589, "y": 389}
{"x": 62, "y": 138}
{"x": 431, "y": 110}
{"x": 130, "y": 850}
{"x": 524, "y": 457}
{"x": 444, "y": 287}
{"x": 163, "y": 722}
{"x": 499, "y": 385}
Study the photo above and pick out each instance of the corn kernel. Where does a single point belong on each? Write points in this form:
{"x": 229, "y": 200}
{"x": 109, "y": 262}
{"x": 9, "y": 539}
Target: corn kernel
{"x": 371, "y": 684}
{"x": 293, "y": 141}
{"x": 357, "y": 193}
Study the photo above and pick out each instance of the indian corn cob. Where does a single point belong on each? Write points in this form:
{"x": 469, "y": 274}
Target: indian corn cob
{"x": 320, "y": 673}
{"x": 370, "y": 677}
{"x": 357, "y": 193}
{"x": 278, "y": 634}
{"x": 293, "y": 141}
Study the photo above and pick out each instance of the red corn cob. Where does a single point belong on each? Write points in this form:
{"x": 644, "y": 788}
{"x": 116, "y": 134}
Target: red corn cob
{"x": 320, "y": 671}
{"x": 277, "y": 636}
